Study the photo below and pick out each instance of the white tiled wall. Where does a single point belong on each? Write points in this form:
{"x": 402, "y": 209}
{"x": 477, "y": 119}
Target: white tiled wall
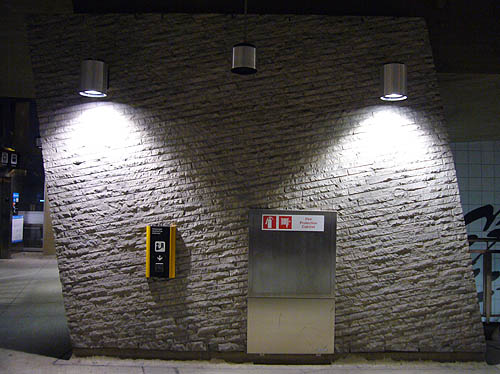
{"x": 478, "y": 173}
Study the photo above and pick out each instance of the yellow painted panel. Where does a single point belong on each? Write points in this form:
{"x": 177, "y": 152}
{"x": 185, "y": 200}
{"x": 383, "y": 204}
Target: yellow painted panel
{"x": 171, "y": 269}
{"x": 148, "y": 254}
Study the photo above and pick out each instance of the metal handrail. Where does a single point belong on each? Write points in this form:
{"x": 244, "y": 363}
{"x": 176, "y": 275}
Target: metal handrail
{"x": 487, "y": 276}
{"x": 493, "y": 241}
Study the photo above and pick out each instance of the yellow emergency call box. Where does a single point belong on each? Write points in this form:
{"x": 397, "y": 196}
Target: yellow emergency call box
{"x": 160, "y": 251}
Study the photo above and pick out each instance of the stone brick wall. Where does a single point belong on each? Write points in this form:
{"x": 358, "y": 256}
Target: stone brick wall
{"x": 181, "y": 139}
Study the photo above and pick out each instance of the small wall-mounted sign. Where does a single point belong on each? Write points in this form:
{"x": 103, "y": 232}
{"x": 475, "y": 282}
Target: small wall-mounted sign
{"x": 293, "y": 222}
{"x": 9, "y": 159}
{"x": 160, "y": 251}
{"x": 13, "y": 159}
{"x": 17, "y": 229}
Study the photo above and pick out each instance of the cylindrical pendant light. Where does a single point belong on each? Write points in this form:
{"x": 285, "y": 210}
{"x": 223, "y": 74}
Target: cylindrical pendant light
{"x": 93, "y": 78}
{"x": 393, "y": 85}
{"x": 244, "y": 54}
{"x": 244, "y": 58}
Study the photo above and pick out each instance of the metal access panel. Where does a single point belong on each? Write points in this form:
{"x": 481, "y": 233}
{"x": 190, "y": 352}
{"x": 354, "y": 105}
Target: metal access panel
{"x": 292, "y": 253}
{"x": 279, "y": 325}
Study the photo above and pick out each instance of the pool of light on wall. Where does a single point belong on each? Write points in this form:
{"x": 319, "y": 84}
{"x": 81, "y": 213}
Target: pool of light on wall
{"x": 103, "y": 131}
{"x": 391, "y": 133}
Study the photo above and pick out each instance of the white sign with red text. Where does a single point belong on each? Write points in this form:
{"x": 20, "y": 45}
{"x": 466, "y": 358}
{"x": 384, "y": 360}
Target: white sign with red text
{"x": 292, "y": 222}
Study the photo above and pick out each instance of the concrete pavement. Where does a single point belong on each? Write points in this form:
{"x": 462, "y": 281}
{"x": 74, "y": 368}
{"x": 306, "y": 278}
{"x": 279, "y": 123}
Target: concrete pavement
{"x": 32, "y": 316}
{"x": 13, "y": 362}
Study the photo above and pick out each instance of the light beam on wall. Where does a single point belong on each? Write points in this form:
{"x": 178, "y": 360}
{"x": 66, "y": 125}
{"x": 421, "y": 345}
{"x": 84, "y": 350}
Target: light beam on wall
{"x": 93, "y": 79}
{"x": 103, "y": 132}
{"x": 391, "y": 134}
{"x": 393, "y": 85}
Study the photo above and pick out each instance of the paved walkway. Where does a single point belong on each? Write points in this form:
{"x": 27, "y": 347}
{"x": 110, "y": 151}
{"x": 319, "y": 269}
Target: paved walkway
{"x": 12, "y": 362}
{"x": 32, "y": 317}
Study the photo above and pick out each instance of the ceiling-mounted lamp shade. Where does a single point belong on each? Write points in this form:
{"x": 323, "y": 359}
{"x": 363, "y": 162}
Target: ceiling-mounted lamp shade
{"x": 394, "y": 82}
{"x": 93, "y": 78}
{"x": 244, "y": 59}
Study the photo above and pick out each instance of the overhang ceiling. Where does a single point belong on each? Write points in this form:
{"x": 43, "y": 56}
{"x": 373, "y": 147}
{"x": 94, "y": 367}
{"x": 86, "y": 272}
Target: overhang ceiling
{"x": 464, "y": 34}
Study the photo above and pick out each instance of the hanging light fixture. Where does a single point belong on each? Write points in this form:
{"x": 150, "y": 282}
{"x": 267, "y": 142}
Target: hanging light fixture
{"x": 393, "y": 82}
{"x": 93, "y": 78}
{"x": 244, "y": 54}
